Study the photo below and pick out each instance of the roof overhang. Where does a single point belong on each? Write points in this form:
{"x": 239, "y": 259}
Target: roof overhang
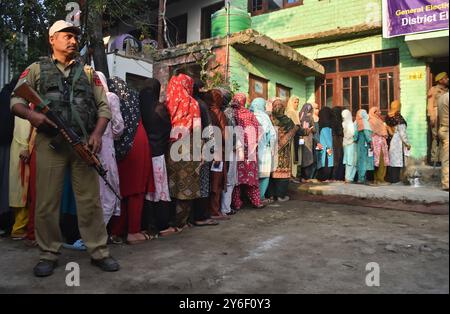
{"x": 268, "y": 49}
{"x": 255, "y": 44}
{"x": 431, "y": 45}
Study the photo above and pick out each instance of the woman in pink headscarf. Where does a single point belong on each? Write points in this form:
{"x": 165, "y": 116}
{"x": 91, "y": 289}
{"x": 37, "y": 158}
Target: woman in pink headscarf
{"x": 247, "y": 169}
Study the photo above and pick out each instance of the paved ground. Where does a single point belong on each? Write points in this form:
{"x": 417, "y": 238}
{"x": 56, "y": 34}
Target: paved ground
{"x": 300, "y": 247}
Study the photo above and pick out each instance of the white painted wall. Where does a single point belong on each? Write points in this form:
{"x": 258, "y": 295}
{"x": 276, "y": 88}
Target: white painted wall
{"x": 5, "y": 64}
{"x": 194, "y": 11}
{"x": 120, "y": 66}
{"x": 5, "y": 68}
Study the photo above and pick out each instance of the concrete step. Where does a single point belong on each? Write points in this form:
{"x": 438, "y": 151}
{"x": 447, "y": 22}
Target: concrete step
{"x": 403, "y": 193}
{"x": 428, "y": 175}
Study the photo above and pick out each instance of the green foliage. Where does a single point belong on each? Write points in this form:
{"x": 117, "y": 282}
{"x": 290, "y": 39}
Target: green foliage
{"x": 32, "y": 18}
{"x": 211, "y": 73}
{"x": 235, "y": 87}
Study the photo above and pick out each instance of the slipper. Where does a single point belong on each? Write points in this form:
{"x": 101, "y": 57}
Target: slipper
{"x": 204, "y": 223}
{"x": 77, "y": 246}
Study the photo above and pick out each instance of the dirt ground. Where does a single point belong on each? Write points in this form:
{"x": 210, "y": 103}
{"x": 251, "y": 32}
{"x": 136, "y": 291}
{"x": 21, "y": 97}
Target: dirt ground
{"x": 298, "y": 247}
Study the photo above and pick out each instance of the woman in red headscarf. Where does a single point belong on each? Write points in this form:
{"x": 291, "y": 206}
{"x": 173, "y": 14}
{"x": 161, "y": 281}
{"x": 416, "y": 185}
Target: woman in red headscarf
{"x": 184, "y": 175}
{"x": 247, "y": 169}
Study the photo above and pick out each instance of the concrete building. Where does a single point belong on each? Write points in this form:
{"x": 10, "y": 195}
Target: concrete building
{"x": 242, "y": 59}
{"x": 362, "y": 68}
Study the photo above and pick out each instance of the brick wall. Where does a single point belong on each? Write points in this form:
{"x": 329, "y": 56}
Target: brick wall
{"x": 161, "y": 70}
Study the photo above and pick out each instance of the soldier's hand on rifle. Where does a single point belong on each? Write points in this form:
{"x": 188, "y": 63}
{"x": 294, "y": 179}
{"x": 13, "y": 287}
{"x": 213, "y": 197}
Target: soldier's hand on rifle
{"x": 95, "y": 143}
{"x": 37, "y": 119}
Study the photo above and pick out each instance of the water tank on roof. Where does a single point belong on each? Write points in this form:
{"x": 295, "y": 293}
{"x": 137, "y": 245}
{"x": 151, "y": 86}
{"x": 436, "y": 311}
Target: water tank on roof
{"x": 237, "y": 18}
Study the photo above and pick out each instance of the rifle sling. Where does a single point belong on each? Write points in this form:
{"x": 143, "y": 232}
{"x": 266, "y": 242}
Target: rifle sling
{"x": 74, "y": 112}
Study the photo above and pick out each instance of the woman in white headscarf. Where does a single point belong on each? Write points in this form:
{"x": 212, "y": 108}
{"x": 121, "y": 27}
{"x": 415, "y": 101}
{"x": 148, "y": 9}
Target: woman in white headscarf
{"x": 110, "y": 203}
{"x": 349, "y": 146}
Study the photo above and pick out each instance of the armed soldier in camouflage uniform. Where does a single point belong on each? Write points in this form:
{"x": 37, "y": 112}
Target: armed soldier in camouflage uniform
{"x": 433, "y": 97}
{"x": 443, "y": 135}
{"x": 76, "y": 94}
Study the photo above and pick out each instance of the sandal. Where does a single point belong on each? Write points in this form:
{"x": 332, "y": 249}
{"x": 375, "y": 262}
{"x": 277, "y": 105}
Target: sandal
{"x": 207, "y": 222}
{"x": 18, "y": 237}
{"x": 115, "y": 240}
{"x": 148, "y": 236}
{"x": 169, "y": 231}
{"x": 267, "y": 201}
{"x": 138, "y": 241}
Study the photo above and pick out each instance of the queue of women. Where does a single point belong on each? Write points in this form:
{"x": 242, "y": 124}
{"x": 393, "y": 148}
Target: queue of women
{"x": 162, "y": 195}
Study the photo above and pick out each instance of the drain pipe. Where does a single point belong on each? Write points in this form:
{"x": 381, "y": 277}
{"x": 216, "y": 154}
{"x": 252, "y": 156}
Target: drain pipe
{"x": 227, "y": 60}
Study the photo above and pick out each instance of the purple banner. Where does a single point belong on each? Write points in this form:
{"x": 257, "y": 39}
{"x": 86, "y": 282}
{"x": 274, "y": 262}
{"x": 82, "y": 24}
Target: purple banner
{"x": 403, "y": 17}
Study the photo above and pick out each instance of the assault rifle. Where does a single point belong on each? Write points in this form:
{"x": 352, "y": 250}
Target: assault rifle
{"x": 26, "y": 92}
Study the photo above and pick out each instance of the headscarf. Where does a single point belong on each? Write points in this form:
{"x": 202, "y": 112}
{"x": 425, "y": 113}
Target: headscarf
{"x": 182, "y": 106}
{"x": 306, "y": 114}
{"x": 348, "y": 126}
{"x": 291, "y": 112}
{"x": 116, "y": 122}
{"x": 362, "y": 120}
{"x": 376, "y": 122}
{"x": 244, "y": 118}
{"x": 269, "y": 136}
{"x": 258, "y": 107}
{"x": 129, "y": 108}
{"x": 279, "y": 118}
{"x": 102, "y": 78}
{"x": 215, "y": 103}
{"x": 315, "y": 115}
{"x": 155, "y": 117}
{"x": 336, "y": 122}
{"x": 239, "y": 100}
{"x": 226, "y": 96}
{"x": 394, "y": 116}
{"x": 325, "y": 117}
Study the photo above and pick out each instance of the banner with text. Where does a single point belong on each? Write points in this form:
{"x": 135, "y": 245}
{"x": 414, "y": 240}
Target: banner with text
{"x": 404, "y": 17}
